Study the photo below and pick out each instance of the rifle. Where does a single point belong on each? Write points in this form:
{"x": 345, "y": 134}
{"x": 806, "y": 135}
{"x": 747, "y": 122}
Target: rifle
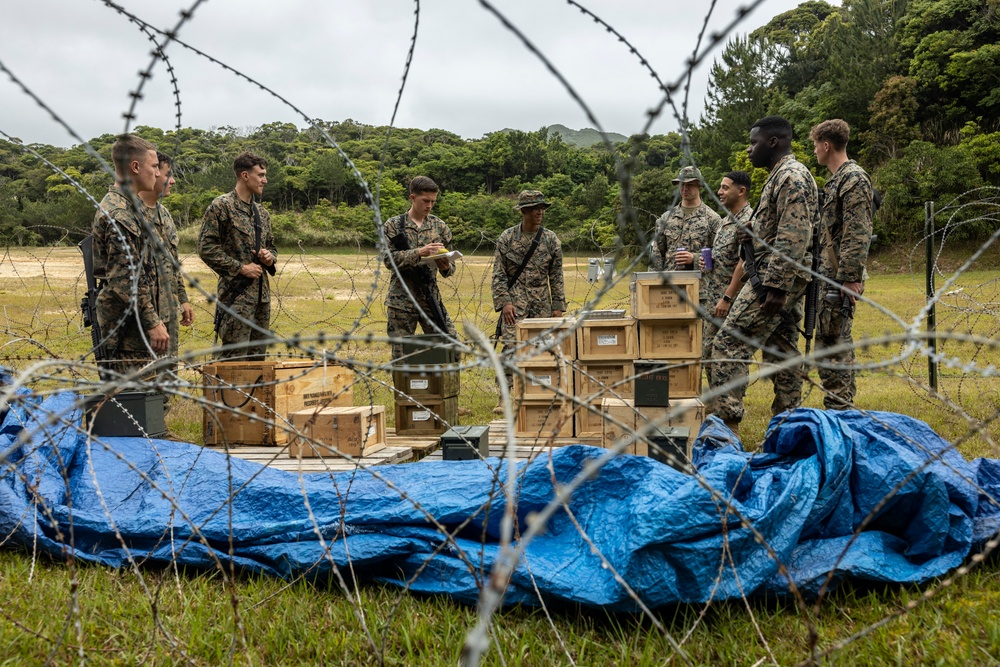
{"x": 812, "y": 292}
{"x": 750, "y": 271}
{"x": 89, "y": 304}
{"x": 750, "y": 268}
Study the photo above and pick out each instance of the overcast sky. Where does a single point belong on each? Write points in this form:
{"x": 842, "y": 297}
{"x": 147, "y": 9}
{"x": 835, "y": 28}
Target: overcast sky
{"x": 337, "y": 60}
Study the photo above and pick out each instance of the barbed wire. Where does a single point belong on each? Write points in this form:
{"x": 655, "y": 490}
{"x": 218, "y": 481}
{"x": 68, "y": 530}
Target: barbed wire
{"x": 338, "y": 321}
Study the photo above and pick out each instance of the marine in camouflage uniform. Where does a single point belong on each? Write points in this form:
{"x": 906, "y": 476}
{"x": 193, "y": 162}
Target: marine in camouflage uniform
{"x": 784, "y": 221}
{"x": 175, "y": 307}
{"x": 692, "y": 229}
{"x": 227, "y": 243}
{"x": 725, "y": 257}
{"x": 419, "y": 277}
{"x": 846, "y": 232}
{"x": 124, "y": 260}
{"x": 539, "y": 290}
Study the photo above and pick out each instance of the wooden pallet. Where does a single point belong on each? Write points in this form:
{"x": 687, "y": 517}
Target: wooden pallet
{"x": 400, "y": 449}
{"x": 421, "y": 445}
{"x": 498, "y": 436}
{"x": 277, "y": 457}
{"x": 521, "y": 452}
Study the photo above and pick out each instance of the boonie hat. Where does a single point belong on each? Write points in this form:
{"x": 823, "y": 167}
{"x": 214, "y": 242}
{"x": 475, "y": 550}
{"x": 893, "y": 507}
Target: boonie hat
{"x": 530, "y": 199}
{"x": 687, "y": 174}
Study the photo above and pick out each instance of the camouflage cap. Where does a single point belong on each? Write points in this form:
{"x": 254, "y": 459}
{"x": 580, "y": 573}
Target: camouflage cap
{"x": 687, "y": 174}
{"x": 531, "y": 199}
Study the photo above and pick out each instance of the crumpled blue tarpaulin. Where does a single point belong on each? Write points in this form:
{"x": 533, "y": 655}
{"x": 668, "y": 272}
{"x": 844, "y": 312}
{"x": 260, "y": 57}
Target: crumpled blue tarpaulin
{"x": 662, "y": 531}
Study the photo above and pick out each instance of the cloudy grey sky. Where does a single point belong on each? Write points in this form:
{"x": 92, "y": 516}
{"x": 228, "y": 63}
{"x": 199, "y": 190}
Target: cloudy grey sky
{"x": 336, "y": 60}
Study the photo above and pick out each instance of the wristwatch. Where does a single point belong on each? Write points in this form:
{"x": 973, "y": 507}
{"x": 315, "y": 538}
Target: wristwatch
{"x": 727, "y": 298}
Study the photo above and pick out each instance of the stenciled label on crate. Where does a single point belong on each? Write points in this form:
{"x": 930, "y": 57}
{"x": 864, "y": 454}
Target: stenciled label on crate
{"x": 664, "y": 298}
{"x": 541, "y": 381}
{"x": 421, "y": 415}
{"x": 607, "y": 339}
{"x": 420, "y": 384}
{"x": 315, "y": 398}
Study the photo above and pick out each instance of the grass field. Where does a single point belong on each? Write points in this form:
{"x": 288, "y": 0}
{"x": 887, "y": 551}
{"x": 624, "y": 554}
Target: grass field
{"x": 51, "y": 611}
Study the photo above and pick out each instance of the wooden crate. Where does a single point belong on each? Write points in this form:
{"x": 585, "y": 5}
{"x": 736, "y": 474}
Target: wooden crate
{"x": 329, "y": 432}
{"x": 594, "y": 381}
{"x": 587, "y": 423}
{"x": 426, "y": 417}
{"x": 427, "y": 384}
{"x": 670, "y": 339}
{"x": 253, "y": 391}
{"x": 692, "y": 415}
{"x": 543, "y": 340}
{"x": 657, "y": 296}
{"x": 541, "y": 382}
{"x": 617, "y": 410}
{"x": 684, "y": 377}
{"x": 607, "y": 340}
{"x": 544, "y": 419}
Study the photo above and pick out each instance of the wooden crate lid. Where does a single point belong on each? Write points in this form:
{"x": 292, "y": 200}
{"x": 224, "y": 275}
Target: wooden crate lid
{"x": 667, "y": 277}
{"x": 341, "y": 410}
{"x": 546, "y": 322}
{"x": 620, "y": 322}
{"x": 270, "y": 364}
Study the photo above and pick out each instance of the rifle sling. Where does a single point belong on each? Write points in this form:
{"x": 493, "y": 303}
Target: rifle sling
{"x": 527, "y": 257}
{"x": 511, "y": 279}
{"x": 256, "y": 250}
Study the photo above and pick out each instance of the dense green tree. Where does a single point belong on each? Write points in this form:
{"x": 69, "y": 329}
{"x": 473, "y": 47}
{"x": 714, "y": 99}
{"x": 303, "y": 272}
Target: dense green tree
{"x": 893, "y": 120}
{"x": 950, "y": 48}
{"x": 740, "y": 92}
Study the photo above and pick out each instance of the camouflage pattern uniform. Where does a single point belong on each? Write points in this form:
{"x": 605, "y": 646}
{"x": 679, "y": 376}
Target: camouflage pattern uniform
{"x": 725, "y": 257}
{"x": 123, "y": 260}
{"x": 401, "y": 314}
{"x": 539, "y": 289}
{"x": 226, "y": 244}
{"x": 846, "y": 233}
{"x": 788, "y": 206}
{"x": 170, "y": 301}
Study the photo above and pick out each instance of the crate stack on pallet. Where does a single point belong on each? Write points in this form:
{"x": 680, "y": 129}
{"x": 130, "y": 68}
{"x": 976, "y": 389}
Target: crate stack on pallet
{"x": 426, "y": 389}
{"x": 545, "y": 357}
{"x": 251, "y": 402}
{"x": 667, "y": 372}
{"x": 607, "y": 343}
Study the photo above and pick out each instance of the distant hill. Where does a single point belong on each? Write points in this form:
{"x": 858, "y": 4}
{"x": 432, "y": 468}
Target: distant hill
{"x": 578, "y": 138}
{"x": 585, "y": 137}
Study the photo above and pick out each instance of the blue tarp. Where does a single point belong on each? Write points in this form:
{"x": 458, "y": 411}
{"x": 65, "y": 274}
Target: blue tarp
{"x": 820, "y": 476}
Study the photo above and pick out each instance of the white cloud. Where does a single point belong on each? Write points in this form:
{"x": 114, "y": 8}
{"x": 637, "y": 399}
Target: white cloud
{"x": 339, "y": 60}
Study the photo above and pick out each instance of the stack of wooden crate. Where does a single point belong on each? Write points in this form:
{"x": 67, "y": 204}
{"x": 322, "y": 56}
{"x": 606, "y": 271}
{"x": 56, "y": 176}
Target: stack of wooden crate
{"x": 545, "y": 356}
{"x": 426, "y": 389}
{"x": 668, "y": 372}
{"x": 606, "y": 348}
{"x": 600, "y": 366}
{"x": 249, "y": 402}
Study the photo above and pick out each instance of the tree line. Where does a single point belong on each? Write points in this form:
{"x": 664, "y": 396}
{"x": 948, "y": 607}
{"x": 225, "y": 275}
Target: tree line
{"x": 915, "y": 79}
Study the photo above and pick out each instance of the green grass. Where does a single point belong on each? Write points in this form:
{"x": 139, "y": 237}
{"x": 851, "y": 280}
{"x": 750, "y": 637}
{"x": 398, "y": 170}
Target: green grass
{"x": 174, "y": 617}
{"x": 164, "y": 617}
